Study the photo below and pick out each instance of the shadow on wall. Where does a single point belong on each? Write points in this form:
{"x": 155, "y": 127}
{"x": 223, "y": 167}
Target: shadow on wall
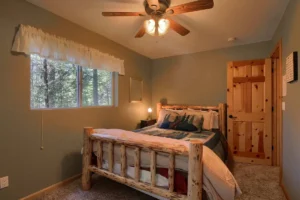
{"x": 71, "y": 165}
{"x": 163, "y": 101}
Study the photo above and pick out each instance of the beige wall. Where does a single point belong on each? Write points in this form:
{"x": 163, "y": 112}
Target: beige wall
{"x": 29, "y": 168}
{"x": 199, "y": 78}
{"x": 289, "y": 31}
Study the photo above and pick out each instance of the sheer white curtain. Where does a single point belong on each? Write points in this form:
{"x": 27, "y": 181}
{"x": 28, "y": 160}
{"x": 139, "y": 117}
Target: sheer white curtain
{"x": 30, "y": 40}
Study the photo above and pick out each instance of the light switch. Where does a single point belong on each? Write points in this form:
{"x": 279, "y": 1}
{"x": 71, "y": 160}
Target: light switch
{"x": 283, "y": 105}
{"x": 4, "y": 182}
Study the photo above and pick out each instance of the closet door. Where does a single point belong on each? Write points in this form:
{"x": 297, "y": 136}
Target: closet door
{"x": 249, "y": 113}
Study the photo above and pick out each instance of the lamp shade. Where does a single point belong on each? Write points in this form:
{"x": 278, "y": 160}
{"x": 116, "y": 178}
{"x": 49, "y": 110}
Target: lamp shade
{"x": 149, "y": 110}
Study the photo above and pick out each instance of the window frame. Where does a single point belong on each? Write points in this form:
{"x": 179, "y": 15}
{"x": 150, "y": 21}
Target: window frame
{"x": 79, "y": 77}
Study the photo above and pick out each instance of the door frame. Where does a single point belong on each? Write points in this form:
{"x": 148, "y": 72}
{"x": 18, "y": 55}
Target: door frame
{"x": 277, "y": 125}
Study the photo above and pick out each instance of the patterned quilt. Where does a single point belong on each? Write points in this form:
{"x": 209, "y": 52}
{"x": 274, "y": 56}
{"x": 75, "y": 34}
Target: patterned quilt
{"x": 214, "y": 139}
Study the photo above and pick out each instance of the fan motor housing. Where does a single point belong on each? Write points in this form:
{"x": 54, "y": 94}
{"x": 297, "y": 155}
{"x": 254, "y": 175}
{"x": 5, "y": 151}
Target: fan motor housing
{"x": 163, "y": 6}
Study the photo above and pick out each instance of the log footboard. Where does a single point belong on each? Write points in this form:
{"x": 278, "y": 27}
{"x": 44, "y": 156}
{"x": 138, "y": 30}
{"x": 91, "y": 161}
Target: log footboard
{"x": 194, "y": 170}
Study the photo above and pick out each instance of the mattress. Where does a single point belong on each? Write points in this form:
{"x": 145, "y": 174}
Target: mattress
{"x": 218, "y": 181}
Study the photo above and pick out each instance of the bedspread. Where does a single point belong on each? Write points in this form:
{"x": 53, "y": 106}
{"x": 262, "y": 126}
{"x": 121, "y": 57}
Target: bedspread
{"x": 214, "y": 139}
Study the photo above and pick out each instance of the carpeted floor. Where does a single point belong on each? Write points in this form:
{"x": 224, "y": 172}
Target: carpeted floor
{"x": 257, "y": 183}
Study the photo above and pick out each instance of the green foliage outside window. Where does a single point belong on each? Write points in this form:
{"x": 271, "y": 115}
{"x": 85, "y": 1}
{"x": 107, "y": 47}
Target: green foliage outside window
{"x": 57, "y": 84}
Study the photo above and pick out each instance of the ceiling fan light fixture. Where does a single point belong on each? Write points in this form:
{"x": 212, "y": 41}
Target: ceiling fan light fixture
{"x": 159, "y": 27}
{"x": 150, "y": 26}
{"x": 163, "y": 26}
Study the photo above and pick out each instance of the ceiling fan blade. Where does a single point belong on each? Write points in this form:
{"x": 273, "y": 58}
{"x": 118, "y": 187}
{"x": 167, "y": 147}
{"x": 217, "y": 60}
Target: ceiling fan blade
{"x": 153, "y": 4}
{"x": 123, "y": 14}
{"x": 191, "y": 7}
{"x": 141, "y": 32}
{"x": 178, "y": 28}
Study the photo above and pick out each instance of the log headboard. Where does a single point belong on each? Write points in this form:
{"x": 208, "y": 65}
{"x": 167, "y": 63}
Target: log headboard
{"x": 221, "y": 109}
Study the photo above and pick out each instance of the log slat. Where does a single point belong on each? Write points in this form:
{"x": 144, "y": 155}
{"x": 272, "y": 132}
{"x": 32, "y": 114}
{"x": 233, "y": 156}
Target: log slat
{"x": 138, "y": 185}
{"x": 123, "y": 161}
{"x": 137, "y": 158}
{"x": 171, "y": 172}
{"x": 100, "y": 155}
{"x": 158, "y": 147}
{"x": 110, "y": 157}
{"x": 153, "y": 168}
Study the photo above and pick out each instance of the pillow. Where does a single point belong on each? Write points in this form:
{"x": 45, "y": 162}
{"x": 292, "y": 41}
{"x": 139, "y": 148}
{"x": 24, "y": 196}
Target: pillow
{"x": 207, "y": 117}
{"x": 166, "y": 116}
{"x": 167, "y": 124}
{"x": 189, "y": 123}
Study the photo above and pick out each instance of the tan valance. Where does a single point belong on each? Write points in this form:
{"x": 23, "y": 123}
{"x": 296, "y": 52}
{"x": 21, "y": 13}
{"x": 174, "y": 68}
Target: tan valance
{"x": 30, "y": 40}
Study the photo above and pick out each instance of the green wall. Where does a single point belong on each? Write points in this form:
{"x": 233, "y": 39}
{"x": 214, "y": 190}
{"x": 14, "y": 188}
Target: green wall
{"x": 289, "y": 31}
{"x": 29, "y": 168}
{"x": 199, "y": 78}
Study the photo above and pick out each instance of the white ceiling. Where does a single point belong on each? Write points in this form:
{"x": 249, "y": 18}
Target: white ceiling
{"x": 249, "y": 20}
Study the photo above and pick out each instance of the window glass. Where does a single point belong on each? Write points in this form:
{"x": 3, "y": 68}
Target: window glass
{"x": 96, "y": 87}
{"x": 54, "y": 84}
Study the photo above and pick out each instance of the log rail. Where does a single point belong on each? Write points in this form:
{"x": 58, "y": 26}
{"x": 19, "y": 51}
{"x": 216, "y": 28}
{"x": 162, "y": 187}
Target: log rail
{"x": 194, "y": 171}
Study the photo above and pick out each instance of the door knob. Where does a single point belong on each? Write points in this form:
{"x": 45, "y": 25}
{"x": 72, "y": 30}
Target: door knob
{"x": 232, "y": 117}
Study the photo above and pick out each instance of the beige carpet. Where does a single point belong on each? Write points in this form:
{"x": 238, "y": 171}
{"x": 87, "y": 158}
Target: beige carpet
{"x": 257, "y": 183}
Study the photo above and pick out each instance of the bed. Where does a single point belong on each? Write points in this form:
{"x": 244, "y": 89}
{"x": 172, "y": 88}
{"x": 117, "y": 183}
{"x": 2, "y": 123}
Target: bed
{"x": 156, "y": 161}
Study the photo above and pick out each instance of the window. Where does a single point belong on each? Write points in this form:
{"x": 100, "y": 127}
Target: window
{"x": 56, "y": 84}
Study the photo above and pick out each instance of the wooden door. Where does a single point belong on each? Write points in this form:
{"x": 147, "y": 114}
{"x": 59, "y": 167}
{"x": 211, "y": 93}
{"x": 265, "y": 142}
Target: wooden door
{"x": 249, "y": 113}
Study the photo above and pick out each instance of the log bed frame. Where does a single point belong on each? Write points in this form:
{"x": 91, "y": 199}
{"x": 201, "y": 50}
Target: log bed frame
{"x": 195, "y": 159}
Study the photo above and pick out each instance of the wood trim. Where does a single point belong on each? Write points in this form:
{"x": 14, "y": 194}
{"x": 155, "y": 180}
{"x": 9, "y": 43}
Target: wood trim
{"x": 268, "y": 110}
{"x": 51, "y": 188}
{"x": 230, "y": 126}
{"x": 248, "y": 62}
{"x": 277, "y": 55}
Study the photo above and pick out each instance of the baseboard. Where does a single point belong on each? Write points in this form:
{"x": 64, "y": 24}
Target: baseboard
{"x": 50, "y": 188}
{"x": 284, "y": 191}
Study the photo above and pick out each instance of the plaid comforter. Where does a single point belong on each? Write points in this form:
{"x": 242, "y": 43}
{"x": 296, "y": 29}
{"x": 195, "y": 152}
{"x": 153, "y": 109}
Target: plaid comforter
{"x": 214, "y": 139}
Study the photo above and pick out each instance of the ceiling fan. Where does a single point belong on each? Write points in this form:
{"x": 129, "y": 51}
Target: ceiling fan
{"x": 159, "y": 12}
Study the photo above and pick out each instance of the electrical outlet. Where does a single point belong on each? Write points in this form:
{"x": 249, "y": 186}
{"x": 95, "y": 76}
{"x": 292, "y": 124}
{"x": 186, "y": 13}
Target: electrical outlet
{"x": 4, "y": 182}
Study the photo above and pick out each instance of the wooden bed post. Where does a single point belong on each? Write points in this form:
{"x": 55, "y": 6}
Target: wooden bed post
{"x": 195, "y": 173}
{"x": 87, "y": 156}
{"x": 223, "y": 119}
{"x": 158, "y": 108}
